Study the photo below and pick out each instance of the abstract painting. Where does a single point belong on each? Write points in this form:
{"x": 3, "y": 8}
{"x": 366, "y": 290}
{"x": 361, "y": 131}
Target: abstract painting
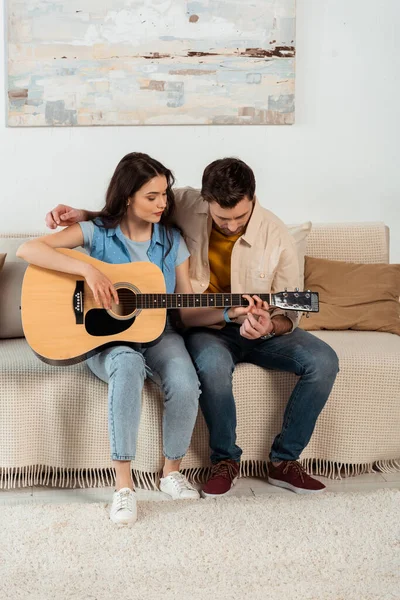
{"x": 150, "y": 62}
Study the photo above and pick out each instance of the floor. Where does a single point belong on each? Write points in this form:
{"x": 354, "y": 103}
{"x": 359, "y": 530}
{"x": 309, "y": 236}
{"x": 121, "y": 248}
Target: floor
{"x": 248, "y": 486}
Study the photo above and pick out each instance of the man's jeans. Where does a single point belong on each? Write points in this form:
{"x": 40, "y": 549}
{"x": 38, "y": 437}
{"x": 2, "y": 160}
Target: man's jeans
{"x": 215, "y": 354}
{"x": 124, "y": 369}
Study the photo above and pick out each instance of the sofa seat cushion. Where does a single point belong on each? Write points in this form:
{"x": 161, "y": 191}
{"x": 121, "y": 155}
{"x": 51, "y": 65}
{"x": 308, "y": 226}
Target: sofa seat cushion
{"x": 57, "y": 416}
{"x": 362, "y": 417}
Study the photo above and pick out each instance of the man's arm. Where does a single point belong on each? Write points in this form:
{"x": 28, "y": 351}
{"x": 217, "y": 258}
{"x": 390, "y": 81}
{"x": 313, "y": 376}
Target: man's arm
{"x": 266, "y": 320}
{"x": 259, "y": 323}
{"x": 63, "y": 215}
{"x": 282, "y": 324}
{"x": 205, "y": 317}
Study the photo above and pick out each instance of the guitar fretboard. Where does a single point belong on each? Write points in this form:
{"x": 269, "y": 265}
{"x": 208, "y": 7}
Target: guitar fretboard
{"x": 192, "y": 300}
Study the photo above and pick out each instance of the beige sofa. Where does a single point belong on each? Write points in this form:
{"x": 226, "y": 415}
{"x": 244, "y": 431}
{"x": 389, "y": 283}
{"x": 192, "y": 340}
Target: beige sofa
{"x": 53, "y": 420}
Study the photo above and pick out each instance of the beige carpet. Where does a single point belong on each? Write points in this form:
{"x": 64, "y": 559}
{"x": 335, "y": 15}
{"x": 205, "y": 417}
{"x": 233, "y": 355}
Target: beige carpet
{"x": 279, "y": 546}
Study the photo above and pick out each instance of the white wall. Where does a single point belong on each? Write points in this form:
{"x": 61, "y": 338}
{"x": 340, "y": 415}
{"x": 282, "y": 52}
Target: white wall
{"x": 340, "y": 162}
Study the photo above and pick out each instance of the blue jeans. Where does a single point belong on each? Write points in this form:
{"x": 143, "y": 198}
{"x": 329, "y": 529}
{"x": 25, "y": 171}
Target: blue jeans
{"x": 125, "y": 370}
{"x": 215, "y": 354}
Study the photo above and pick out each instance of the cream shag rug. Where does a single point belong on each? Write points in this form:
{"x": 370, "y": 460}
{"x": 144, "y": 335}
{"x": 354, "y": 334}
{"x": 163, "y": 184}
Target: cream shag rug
{"x": 326, "y": 547}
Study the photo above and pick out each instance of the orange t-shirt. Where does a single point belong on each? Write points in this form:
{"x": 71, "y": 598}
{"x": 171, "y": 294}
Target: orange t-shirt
{"x": 219, "y": 256}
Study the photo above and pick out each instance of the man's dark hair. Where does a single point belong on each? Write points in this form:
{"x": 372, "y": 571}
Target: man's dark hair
{"x": 227, "y": 181}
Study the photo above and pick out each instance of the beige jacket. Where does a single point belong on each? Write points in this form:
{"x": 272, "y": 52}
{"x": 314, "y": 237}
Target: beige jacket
{"x": 264, "y": 259}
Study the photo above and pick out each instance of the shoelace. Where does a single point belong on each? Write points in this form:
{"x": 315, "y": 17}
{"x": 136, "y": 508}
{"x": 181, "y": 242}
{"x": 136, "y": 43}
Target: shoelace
{"x": 124, "y": 500}
{"x": 224, "y": 469}
{"x": 180, "y": 482}
{"x": 292, "y": 464}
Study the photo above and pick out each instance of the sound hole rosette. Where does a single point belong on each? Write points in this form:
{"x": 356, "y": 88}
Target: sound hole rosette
{"x": 126, "y": 309}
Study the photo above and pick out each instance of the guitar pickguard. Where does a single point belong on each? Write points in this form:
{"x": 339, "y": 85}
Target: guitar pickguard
{"x": 99, "y": 323}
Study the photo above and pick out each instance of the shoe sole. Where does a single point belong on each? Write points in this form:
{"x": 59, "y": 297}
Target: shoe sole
{"x": 122, "y": 523}
{"x": 205, "y": 495}
{"x": 175, "y": 498}
{"x": 292, "y": 488}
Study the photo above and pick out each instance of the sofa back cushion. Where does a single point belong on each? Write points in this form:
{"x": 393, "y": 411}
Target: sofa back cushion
{"x": 352, "y": 242}
{"x": 300, "y": 234}
{"x": 11, "y": 278}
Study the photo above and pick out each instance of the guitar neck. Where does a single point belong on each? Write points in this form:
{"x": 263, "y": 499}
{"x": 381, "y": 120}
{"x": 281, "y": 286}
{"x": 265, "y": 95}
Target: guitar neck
{"x": 193, "y": 300}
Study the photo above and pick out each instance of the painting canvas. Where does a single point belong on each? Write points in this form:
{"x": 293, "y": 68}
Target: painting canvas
{"x": 142, "y": 62}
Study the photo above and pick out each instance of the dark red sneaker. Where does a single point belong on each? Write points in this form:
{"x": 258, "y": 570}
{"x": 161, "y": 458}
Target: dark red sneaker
{"x": 223, "y": 476}
{"x": 292, "y": 476}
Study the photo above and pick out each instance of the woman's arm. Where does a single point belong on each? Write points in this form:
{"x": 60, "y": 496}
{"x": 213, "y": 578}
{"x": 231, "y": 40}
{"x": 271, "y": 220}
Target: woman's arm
{"x": 42, "y": 252}
{"x": 201, "y": 317}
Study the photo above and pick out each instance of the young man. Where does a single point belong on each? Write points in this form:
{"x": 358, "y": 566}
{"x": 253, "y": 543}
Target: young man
{"x": 236, "y": 245}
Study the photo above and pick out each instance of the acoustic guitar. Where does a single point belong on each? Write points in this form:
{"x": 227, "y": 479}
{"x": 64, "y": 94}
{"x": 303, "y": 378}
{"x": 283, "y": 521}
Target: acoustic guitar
{"x": 64, "y": 325}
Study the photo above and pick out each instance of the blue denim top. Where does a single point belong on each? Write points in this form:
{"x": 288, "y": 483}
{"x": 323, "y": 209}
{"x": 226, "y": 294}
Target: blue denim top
{"x": 109, "y": 246}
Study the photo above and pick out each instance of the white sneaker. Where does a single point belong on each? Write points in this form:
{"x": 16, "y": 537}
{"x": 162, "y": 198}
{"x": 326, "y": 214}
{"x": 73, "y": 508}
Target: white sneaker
{"x": 124, "y": 507}
{"x": 178, "y": 487}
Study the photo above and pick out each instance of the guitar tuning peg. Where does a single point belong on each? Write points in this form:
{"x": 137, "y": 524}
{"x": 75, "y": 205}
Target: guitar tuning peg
{"x": 307, "y": 315}
{"x": 296, "y": 289}
{"x": 285, "y": 290}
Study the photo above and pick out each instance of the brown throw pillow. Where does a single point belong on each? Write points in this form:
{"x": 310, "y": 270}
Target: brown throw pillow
{"x": 353, "y": 296}
{"x": 2, "y": 259}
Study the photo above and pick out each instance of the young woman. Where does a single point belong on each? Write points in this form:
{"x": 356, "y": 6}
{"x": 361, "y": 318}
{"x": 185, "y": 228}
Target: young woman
{"x": 135, "y": 226}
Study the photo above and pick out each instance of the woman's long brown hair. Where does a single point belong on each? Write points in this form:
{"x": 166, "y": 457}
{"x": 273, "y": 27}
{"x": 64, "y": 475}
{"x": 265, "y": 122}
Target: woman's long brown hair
{"x": 132, "y": 173}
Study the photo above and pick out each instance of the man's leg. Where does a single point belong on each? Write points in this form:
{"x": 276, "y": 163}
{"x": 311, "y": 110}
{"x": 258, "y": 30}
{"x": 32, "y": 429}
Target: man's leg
{"x": 214, "y": 357}
{"x": 316, "y": 363}
{"x": 215, "y": 360}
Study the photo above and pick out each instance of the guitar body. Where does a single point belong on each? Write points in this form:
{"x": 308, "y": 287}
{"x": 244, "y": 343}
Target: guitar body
{"x": 64, "y": 325}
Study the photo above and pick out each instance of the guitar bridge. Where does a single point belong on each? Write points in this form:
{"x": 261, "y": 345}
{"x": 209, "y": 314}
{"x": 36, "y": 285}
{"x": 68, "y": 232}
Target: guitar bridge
{"x": 78, "y": 302}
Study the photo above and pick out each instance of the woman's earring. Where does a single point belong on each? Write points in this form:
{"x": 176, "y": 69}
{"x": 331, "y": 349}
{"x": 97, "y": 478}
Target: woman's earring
{"x": 128, "y": 203}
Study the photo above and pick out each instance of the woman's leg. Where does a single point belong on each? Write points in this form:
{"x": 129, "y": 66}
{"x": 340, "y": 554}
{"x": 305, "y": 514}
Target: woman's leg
{"x": 124, "y": 370}
{"x": 173, "y": 370}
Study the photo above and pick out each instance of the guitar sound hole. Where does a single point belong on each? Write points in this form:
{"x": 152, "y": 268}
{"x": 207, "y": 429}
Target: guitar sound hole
{"x": 127, "y": 303}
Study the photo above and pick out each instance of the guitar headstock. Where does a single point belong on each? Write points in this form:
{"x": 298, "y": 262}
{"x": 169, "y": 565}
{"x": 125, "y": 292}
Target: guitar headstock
{"x": 302, "y": 301}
